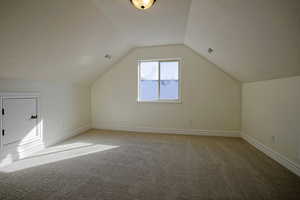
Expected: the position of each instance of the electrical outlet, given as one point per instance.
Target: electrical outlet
(190, 123)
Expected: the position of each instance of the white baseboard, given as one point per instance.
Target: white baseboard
(224, 133)
(70, 133)
(281, 159)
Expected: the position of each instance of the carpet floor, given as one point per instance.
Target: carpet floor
(113, 165)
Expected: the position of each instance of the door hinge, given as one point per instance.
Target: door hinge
(3, 132)
(2, 111)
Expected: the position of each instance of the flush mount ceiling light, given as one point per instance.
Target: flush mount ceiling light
(142, 4)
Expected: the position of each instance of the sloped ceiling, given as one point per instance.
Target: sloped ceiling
(253, 40)
(67, 39)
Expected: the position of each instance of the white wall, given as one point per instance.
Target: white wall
(210, 98)
(272, 108)
(65, 107)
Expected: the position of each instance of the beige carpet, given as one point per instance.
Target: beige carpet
(121, 165)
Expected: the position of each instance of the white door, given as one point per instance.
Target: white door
(19, 120)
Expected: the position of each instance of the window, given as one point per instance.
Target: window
(159, 81)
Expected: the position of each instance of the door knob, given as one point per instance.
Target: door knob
(33, 117)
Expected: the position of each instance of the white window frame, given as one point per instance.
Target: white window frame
(179, 60)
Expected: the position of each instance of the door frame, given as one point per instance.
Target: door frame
(21, 95)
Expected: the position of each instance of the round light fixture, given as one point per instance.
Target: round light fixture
(142, 4)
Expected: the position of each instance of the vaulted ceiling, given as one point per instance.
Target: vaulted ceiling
(253, 39)
(68, 39)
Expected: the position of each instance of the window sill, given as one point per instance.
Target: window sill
(161, 101)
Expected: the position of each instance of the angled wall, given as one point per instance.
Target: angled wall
(210, 98)
(252, 40)
(65, 107)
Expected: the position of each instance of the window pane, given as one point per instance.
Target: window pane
(149, 70)
(169, 80)
(169, 70)
(149, 81)
(148, 90)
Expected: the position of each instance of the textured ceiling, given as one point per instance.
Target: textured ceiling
(67, 39)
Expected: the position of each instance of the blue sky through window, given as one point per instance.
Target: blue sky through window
(150, 82)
